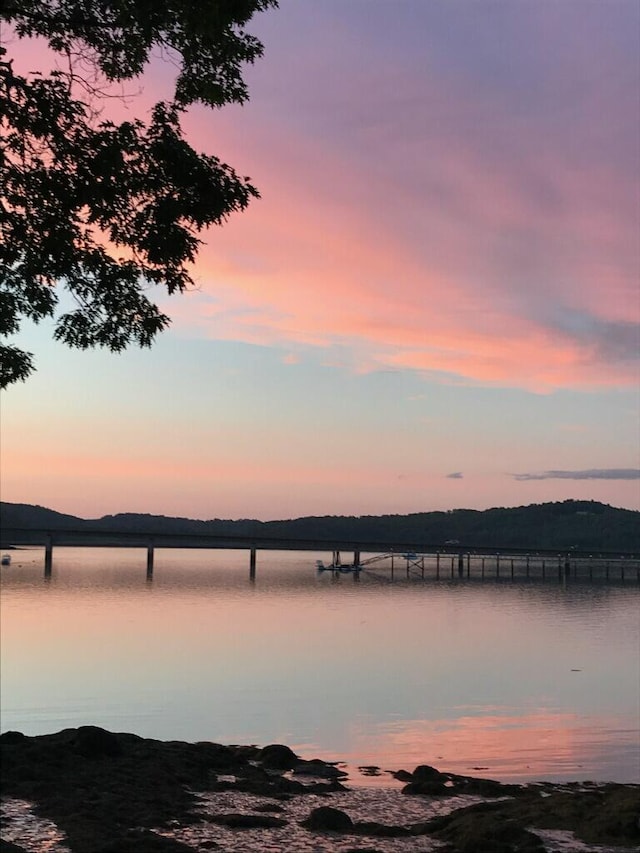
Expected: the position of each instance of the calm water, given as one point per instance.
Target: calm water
(513, 680)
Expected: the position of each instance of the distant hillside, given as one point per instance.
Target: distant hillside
(27, 515)
(583, 525)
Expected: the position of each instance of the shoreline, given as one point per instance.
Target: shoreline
(109, 792)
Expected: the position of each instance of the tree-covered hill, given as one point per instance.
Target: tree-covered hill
(583, 525)
(29, 516)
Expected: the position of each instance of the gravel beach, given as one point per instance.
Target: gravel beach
(88, 790)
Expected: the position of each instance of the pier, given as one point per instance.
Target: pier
(400, 559)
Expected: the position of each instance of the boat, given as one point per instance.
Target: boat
(5, 560)
(337, 567)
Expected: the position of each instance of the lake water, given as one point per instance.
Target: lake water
(513, 680)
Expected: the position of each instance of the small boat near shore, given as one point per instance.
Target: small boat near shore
(5, 560)
(337, 567)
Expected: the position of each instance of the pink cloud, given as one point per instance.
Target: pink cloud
(495, 269)
(454, 232)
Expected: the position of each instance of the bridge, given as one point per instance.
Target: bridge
(414, 553)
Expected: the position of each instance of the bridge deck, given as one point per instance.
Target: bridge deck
(132, 539)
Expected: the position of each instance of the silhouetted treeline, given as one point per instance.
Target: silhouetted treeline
(583, 525)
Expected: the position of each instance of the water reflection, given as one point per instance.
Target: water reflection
(528, 678)
(505, 744)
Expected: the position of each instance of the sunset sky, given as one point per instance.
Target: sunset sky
(435, 303)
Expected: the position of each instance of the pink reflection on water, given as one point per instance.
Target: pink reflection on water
(540, 745)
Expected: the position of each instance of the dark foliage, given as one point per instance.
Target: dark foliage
(579, 525)
(110, 210)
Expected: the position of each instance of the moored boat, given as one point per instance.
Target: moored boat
(337, 567)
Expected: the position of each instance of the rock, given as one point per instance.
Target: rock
(247, 821)
(274, 787)
(484, 787)
(370, 770)
(381, 830)
(426, 773)
(316, 767)
(277, 756)
(402, 776)
(432, 788)
(362, 850)
(328, 819)
(605, 815)
(12, 737)
(143, 841)
(484, 827)
(94, 742)
(10, 847)
(426, 780)
(268, 807)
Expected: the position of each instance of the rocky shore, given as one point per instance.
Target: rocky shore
(120, 793)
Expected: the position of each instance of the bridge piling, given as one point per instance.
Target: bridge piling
(48, 558)
(252, 564)
(150, 555)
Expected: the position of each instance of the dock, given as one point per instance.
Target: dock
(399, 559)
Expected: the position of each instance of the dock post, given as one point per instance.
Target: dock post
(438, 565)
(483, 559)
(252, 564)
(453, 560)
(527, 565)
(149, 562)
(512, 568)
(356, 559)
(460, 565)
(468, 565)
(543, 569)
(497, 565)
(48, 557)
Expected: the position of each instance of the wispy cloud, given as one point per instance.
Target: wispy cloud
(457, 475)
(457, 234)
(589, 474)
